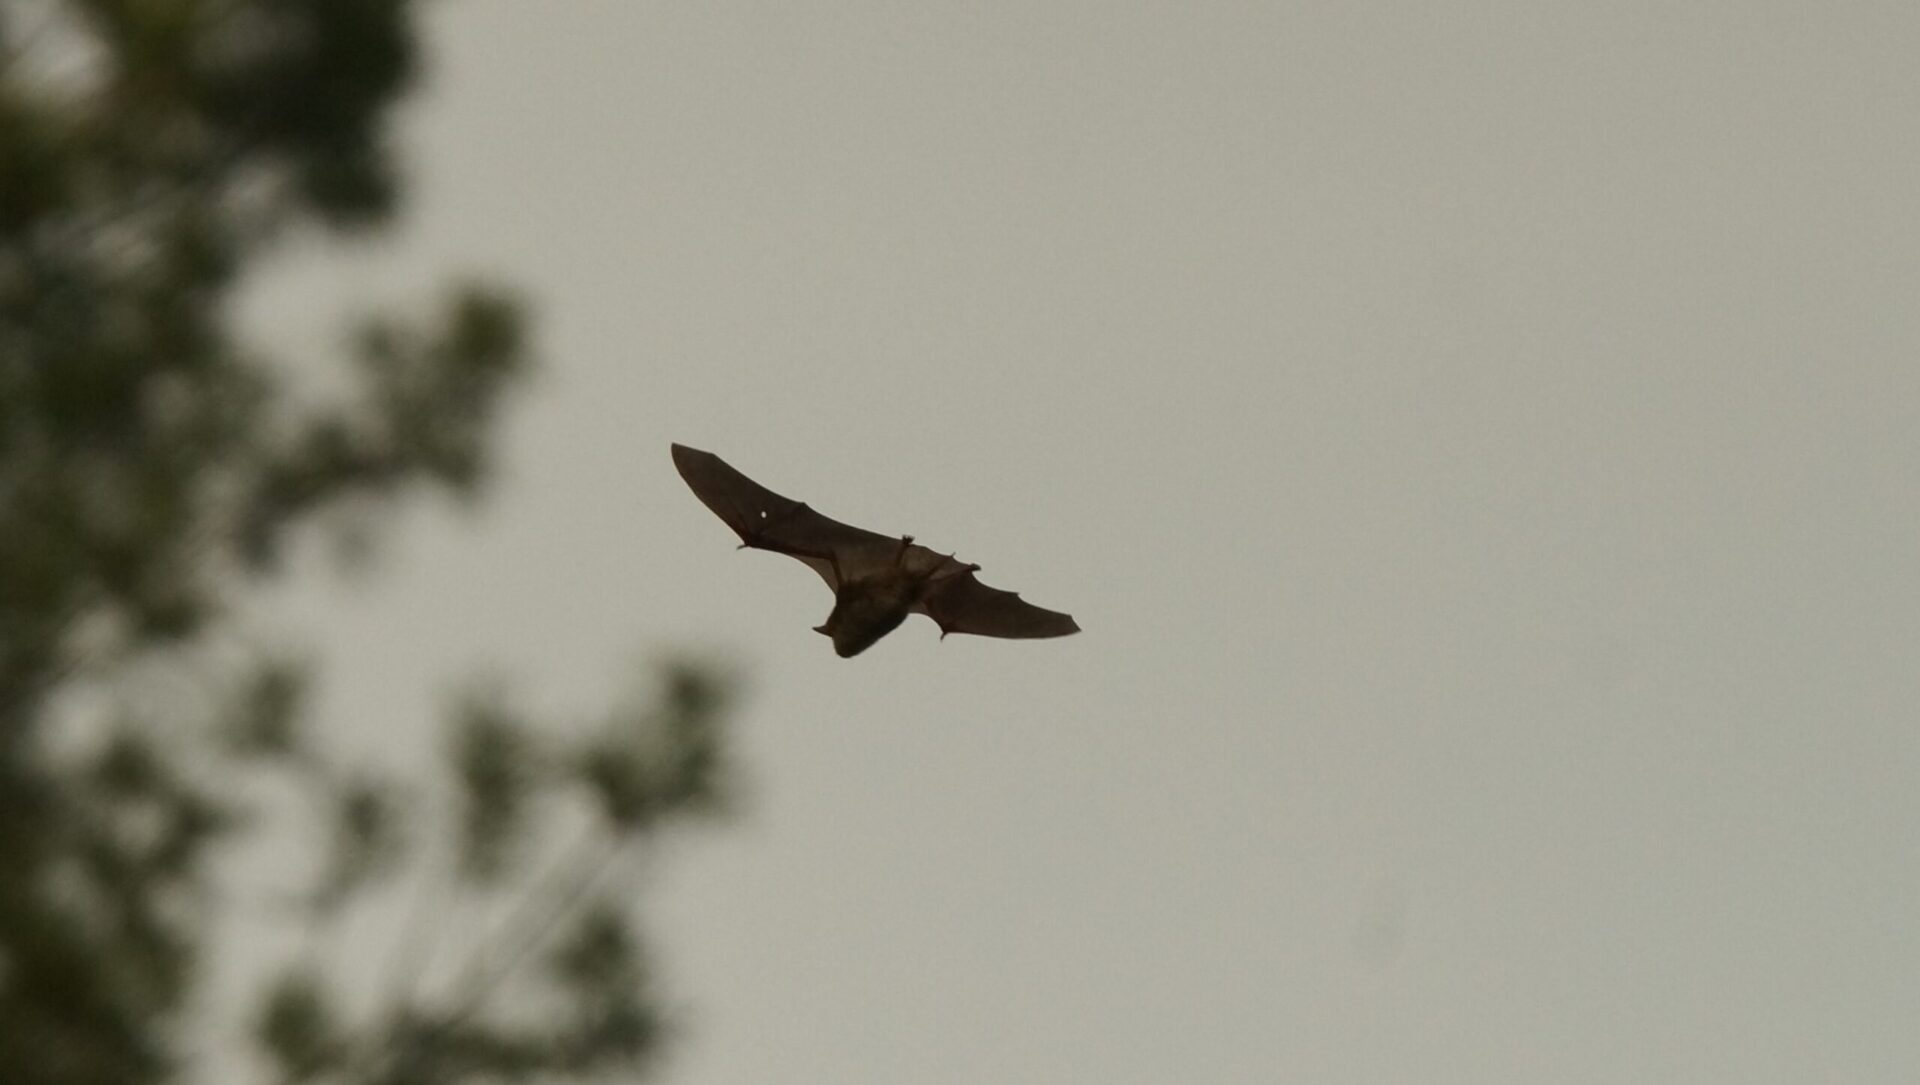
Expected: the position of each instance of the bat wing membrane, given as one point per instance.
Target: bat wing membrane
(765, 520)
(962, 604)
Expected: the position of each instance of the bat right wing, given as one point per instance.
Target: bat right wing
(765, 520)
(961, 604)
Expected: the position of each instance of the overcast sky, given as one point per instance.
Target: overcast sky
(1479, 440)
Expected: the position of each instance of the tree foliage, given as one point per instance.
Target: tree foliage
(153, 466)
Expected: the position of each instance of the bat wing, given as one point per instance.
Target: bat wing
(766, 521)
(961, 604)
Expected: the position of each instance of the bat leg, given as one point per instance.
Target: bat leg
(901, 557)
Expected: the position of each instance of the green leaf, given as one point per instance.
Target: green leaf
(651, 762)
(496, 762)
(599, 954)
(612, 1022)
(367, 840)
(298, 1027)
(621, 778)
(266, 714)
(129, 766)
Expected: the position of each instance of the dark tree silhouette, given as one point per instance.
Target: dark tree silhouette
(152, 468)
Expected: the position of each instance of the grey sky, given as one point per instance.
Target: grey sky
(1478, 439)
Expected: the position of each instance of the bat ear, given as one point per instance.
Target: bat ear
(822, 630)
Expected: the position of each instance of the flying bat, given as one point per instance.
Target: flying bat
(877, 580)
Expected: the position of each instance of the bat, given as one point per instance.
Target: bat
(877, 580)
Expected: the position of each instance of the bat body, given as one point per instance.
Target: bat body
(877, 580)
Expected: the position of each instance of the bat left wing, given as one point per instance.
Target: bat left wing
(959, 603)
(765, 520)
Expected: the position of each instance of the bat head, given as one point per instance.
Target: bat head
(863, 612)
(850, 640)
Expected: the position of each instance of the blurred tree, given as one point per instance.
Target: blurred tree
(151, 467)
